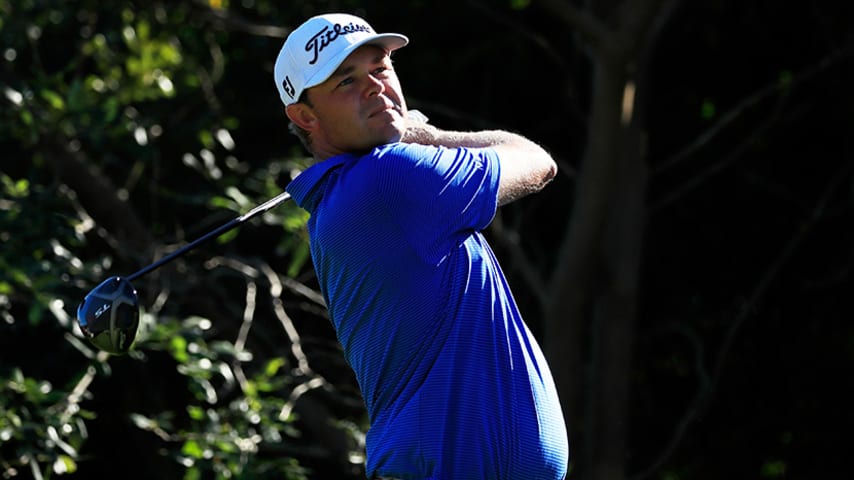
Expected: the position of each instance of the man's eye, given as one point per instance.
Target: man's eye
(346, 81)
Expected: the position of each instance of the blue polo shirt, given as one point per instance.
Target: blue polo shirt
(454, 383)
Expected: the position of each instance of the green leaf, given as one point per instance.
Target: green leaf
(273, 366)
(192, 449)
(64, 464)
(143, 30)
(207, 139)
(193, 473)
(22, 187)
(295, 220)
(222, 202)
(774, 469)
(301, 256)
(54, 99)
(707, 109)
(35, 313)
(196, 413)
(76, 95)
(178, 347)
(27, 118)
(784, 82)
(111, 109)
(227, 237)
(250, 389)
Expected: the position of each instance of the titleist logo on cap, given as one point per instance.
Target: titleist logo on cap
(315, 49)
(327, 35)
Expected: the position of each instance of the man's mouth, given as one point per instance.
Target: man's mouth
(387, 106)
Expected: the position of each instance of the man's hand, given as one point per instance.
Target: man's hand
(418, 130)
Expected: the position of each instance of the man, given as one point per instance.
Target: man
(454, 383)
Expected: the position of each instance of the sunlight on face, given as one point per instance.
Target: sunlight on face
(360, 106)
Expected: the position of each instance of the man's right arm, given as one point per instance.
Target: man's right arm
(525, 166)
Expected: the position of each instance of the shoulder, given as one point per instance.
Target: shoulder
(409, 165)
(408, 155)
(395, 159)
(412, 152)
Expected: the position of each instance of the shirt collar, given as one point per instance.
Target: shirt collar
(304, 189)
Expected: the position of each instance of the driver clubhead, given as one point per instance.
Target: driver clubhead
(109, 315)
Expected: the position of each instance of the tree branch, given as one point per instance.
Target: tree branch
(709, 384)
(596, 33)
(98, 196)
(739, 110)
(229, 20)
(509, 239)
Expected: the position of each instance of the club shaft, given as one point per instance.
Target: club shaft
(235, 222)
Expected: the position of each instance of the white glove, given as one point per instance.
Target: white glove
(417, 116)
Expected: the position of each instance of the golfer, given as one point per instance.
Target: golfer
(454, 383)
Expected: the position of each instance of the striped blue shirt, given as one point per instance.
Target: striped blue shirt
(454, 383)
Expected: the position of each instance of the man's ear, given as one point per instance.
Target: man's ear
(302, 115)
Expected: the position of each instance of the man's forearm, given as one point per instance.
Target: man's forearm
(426, 134)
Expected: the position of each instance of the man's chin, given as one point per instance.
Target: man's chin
(395, 130)
(373, 141)
(387, 127)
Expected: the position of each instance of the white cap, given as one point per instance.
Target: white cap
(314, 51)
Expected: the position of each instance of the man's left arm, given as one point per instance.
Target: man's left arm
(525, 166)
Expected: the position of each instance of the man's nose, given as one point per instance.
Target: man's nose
(375, 86)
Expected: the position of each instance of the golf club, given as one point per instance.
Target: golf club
(109, 314)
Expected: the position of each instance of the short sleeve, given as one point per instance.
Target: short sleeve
(437, 196)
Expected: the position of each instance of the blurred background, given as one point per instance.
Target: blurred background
(688, 273)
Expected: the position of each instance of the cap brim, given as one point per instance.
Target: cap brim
(389, 41)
